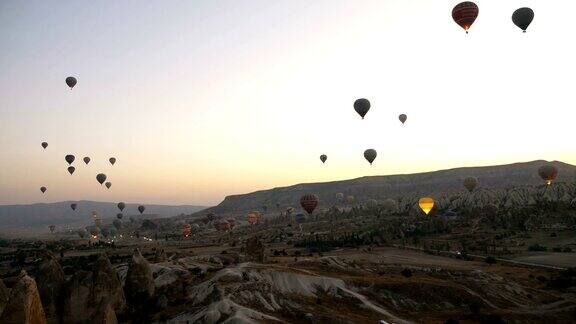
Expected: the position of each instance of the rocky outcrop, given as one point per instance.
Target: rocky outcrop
(94, 295)
(107, 286)
(139, 285)
(254, 250)
(4, 295)
(104, 314)
(50, 281)
(159, 255)
(24, 304)
(78, 306)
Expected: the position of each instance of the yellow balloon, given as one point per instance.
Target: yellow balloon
(426, 204)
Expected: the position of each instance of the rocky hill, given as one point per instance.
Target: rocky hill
(443, 182)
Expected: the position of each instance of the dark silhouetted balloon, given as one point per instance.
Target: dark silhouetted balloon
(548, 173)
(121, 206)
(71, 169)
(309, 202)
(71, 82)
(43, 189)
(86, 159)
(52, 228)
(108, 184)
(44, 145)
(101, 177)
(112, 160)
(69, 158)
(119, 216)
(141, 209)
(403, 118)
(522, 18)
(323, 158)
(470, 183)
(73, 206)
(370, 155)
(464, 14)
(362, 106)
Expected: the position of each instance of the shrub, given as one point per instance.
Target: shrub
(407, 273)
(537, 248)
(490, 260)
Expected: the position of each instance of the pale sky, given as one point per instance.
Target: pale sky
(202, 99)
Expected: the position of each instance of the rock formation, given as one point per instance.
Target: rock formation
(4, 295)
(254, 250)
(24, 304)
(50, 282)
(139, 285)
(107, 286)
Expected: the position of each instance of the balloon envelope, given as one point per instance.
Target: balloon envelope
(43, 189)
(108, 184)
(73, 206)
(426, 204)
(323, 158)
(119, 216)
(548, 173)
(101, 177)
(464, 14)
(362, 106)
(370, 155)
(71, 169)
(69, 158)
(86, 159)
(44, 145)
(522, 18)
(309, 202)
(121, 206)
(403, 118)
(141, 209)
(112, 160)
(71, 82)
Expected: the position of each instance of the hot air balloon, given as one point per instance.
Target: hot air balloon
(73, 206)
(339, 197)
(522, 18)
(119, 216)
(86, 159)
(309, 203)
(426, 204)
(44, 145)
(403, 118)
(252, 218)
(121, 206)
(108, 184)
(101, 177)
(464, 14)
(71, 169)
(362, 106)
(71, 82)
(43, 189)
(94, 231)
(141, 209)
(69, 158)
(52, 228)
(186, 230)
(112, 160)
(548, 173)
(370, 155)
(470, 183)
(323, 158)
